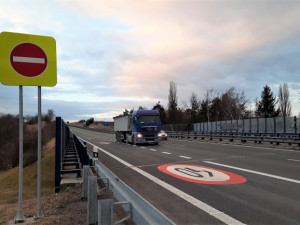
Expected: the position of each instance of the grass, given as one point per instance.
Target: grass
(9, 180)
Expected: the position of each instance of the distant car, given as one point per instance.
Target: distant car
(163, 135)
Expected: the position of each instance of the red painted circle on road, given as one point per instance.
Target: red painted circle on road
(201, 174)
(28, 59)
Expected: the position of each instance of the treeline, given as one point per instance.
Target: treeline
(9, 138)
(229, 105)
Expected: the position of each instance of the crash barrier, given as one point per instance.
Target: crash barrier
(101, 211)
(271, 126)
(110, 131)
(290, 140)
(70, 153)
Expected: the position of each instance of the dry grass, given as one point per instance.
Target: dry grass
(9, 179)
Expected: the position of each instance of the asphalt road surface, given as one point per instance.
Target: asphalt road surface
(194, 182)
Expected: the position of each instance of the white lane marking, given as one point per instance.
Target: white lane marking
(249, 146)
(167, 153)
(143, 147)
(199, 204)
(255, 172)
(185, 157)
(151, 149)
(295, 160)
(28, 59)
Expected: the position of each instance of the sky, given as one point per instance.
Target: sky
(115, 55)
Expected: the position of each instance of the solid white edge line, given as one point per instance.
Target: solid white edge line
(255, 172)
(28, 59)
(199, 204)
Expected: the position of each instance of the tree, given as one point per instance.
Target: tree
(49, 117)
(266, 106)
(172, 105)
(233, 104)
(161, 110)
(194, 109)
(284, 103)
(216, 112)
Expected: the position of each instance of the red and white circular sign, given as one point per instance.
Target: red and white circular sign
(201, 174)
(28, 59)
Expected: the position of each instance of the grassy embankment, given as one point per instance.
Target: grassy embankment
(9, 179)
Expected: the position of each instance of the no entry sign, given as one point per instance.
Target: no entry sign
(28, 60)
(201, 174)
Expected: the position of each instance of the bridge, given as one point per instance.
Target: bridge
(191, 181)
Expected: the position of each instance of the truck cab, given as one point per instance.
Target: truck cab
(140, 126)
(146, 126)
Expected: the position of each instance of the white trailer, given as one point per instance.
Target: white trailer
(122, 123)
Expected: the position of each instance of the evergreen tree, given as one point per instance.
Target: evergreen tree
(266, 106)
(162, 112)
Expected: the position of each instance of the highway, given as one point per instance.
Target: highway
(194, 182)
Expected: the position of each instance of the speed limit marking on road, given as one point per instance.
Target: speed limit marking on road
(201, 174)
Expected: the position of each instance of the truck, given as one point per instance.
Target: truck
(140, 126)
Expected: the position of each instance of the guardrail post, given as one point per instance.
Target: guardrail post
(86, 172)
(105, 212)
(58, 154)
(92, 200)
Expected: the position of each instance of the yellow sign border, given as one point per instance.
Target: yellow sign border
(8, 76)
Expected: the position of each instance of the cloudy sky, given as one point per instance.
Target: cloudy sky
(113, 55)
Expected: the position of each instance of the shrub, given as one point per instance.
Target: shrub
(9, 141)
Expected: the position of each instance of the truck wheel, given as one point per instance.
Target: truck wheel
(133, 140)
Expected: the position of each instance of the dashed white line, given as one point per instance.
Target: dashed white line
(255, 172)
(152, 150)
(167, 153)
(185, 157)
(295, 160)
(143, 147)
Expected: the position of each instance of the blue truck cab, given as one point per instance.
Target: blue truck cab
(146, 126)
(140, 126)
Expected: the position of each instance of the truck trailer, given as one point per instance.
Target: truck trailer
(140, 126)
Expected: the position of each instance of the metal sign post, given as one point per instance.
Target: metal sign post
(38, 215)
(19, 217)
(28, 60)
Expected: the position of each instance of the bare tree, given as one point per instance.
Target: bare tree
(233, 104)
(284, 103)
(208, 96)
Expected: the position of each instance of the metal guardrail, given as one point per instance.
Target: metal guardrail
(276, 139)
(142, 211)
(67, 152)
(94, 129)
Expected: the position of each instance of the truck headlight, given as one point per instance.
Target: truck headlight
(139, 135)
(159, 134)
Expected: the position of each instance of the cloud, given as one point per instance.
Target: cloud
(123, 54)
